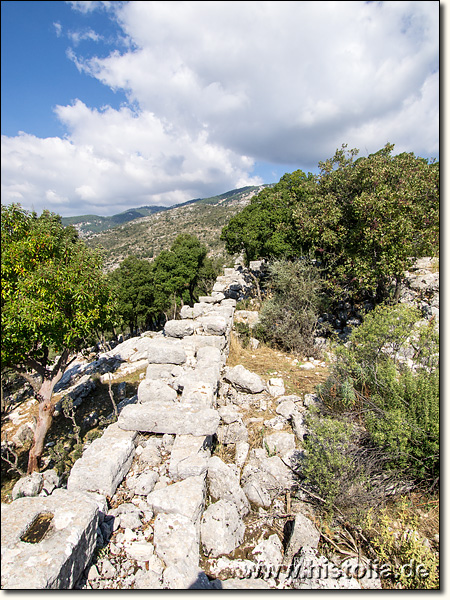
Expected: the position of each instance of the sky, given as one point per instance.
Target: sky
(107, 106)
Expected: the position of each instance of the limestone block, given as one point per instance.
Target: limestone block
(185, 497)
(171, 418)
(179, 328)
(222, 528)
(224, 484)
(214, 325)
(189, 456)
(154, 390)
(58, 559)
(280, 442)
(166, 351)
(105, 462)
(244, 380)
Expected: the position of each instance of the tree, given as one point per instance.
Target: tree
(176, 272)
(54, 296)
(365, 219)
(133, 284)
(370, 217)
(265, 228)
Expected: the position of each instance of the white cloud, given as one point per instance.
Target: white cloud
(216, 86)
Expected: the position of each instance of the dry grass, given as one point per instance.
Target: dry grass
(267, 363)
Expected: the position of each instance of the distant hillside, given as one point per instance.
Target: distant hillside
(155, 228)
(90, 224)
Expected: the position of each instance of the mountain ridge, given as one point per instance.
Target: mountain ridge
(156, 228)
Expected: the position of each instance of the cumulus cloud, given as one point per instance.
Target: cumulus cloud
(215, 87)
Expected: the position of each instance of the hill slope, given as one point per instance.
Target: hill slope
(147, 235)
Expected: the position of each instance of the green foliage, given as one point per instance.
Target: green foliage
(54, 295)
(176, 272)
(133, 284)
(413, 565)
(265, 228)
(330, 467)
(288, 319)
(364, 219)
(399, 404)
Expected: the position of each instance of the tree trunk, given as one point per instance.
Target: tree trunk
(46, 410)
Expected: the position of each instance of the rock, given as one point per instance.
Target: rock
(105, 462)
(241, 453)
(232, 433)
(222, 528)
(51, 480)
(153, 390)
(186, 312)
(224, 484)
(298, 426)
(179, 329)
(250, 317)
(27, 486)
(140, 551)
(177, 544)
(145, 483)
(286, 409)
(276, 387)
(185, 497)
(303, 533)
(166, 351)
(57, 561)
(244, 380)
(213, 325)
(269, 552)
(280, 442)
(315, 572)
(174, 418)
(199, 393)
(189, 457)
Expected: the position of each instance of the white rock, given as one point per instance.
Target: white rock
(224, 485)
(222, 528)
(244, 380)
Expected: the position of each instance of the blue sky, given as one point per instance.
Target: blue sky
(113, 105)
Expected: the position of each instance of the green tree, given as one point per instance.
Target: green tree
(176, 272)
(266, 228)
(54, 297)
(366, 219)
(133, 284)
(370, 217)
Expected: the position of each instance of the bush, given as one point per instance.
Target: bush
(412, 564)
(289, 317)
(397, 400)
(332, 467)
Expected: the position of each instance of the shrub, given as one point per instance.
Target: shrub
(289, 317)
(331, 467)
(410, 563)
(397, 401)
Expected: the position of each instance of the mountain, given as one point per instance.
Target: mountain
(147, 230)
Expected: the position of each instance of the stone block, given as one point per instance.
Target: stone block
(57, 560)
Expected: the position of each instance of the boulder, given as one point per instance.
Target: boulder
(105, 462)
(59, 558)
(166, 351)
(222, 528)
(189, 456)
(224, 484)
(279, 443)
(154, 390)
(303, 533)
(27, 486)
(244, 380)
(214, 325)
(185, 497)
(174, 418)
(179, 329)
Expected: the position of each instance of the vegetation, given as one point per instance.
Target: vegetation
(363, 219)
(289, 316)
(150, 293)
(54, 297)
